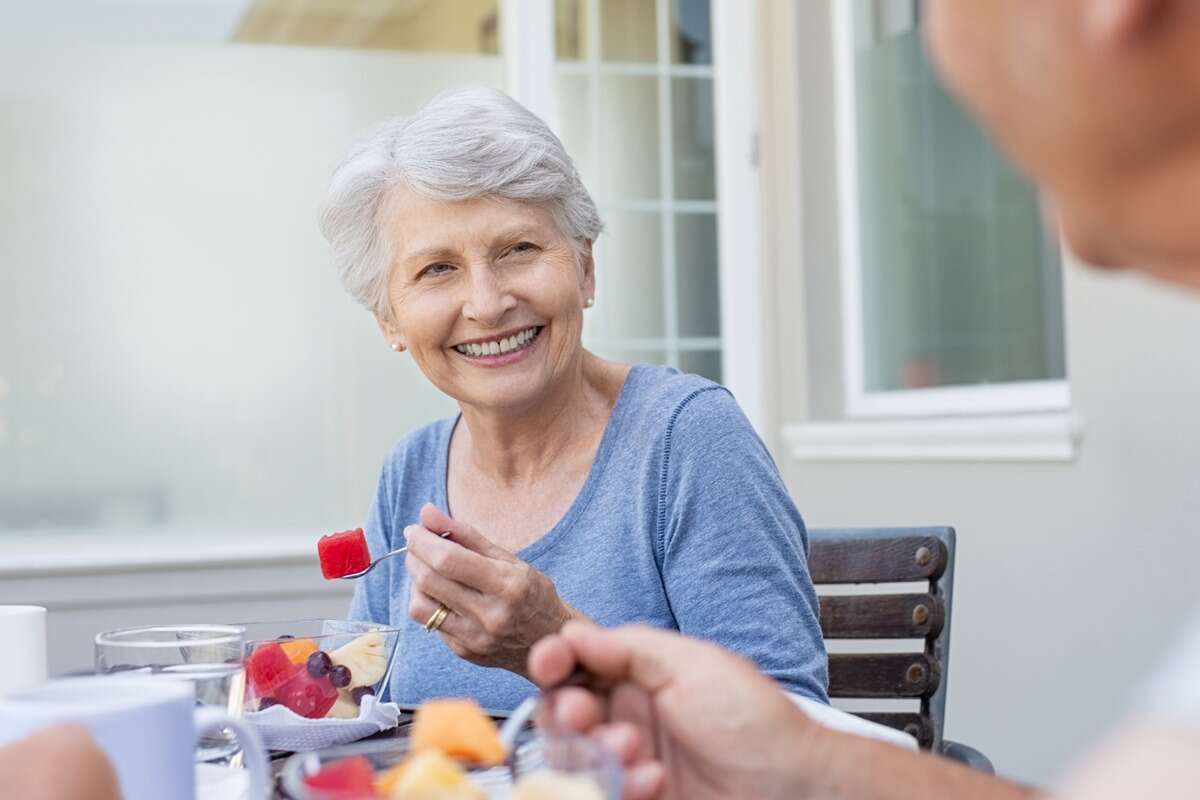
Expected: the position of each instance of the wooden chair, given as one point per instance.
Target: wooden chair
(892, 555)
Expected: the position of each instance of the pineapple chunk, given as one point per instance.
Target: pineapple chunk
(429, 775)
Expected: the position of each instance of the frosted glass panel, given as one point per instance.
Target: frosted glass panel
(692, 130)
(628, 30)
(697, 289)
(959, 283)
(175, 349)
(630, 157)
(691, 32)
(575, 127)
(702, 362)
(571, 30)
(629, 292)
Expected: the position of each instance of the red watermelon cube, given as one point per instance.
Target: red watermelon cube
(267, 668)
(306, 695)
(344, 779)
(343, 553)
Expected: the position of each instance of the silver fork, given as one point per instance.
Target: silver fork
(397, 552)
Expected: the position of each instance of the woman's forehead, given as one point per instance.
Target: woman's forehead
(422, 224)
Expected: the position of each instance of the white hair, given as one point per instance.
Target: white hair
(461, 145)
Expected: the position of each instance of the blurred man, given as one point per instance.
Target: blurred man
(57, 764)
(1100, 101)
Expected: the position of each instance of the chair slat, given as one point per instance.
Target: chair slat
(881, 616)
(918, 726)
(883, 560)
(883, 675)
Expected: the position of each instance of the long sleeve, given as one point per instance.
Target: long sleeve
(733, 546)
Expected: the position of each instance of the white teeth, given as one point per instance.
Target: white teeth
(497, 347)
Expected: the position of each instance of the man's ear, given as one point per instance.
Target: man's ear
(391, 333)
(1122, 21)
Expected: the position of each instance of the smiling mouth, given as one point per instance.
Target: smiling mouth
(496, 347)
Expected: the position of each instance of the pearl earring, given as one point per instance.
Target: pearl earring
(589, 303)
(397, 346)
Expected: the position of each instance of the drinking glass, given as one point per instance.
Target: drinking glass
(207, 656)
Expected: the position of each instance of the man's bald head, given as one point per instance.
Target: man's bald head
(1100, 101)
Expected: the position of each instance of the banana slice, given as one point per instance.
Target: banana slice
(365, 657)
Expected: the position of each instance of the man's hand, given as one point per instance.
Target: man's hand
(689, 719)
(57, 764)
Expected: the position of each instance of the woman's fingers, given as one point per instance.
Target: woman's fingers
(453, 561)
(421, 608)
(435, 520)
(644, 781)
(428, 581)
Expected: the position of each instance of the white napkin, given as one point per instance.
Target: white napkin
(284, 729)
(846, 722)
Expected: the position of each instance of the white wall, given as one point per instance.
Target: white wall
(1071, 577)
(178, 364)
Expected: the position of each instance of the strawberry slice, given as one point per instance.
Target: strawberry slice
(343, 553)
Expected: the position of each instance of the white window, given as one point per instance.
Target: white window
(952, 294)
(634, 105)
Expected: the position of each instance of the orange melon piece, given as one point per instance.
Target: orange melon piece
(298, 650)
(458, 728)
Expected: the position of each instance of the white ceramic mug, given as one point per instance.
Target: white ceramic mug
(23, 634)
(147, 727)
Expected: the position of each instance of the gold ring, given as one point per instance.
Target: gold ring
(437, 619)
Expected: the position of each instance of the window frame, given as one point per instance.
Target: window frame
(528, 50)
(859, 403)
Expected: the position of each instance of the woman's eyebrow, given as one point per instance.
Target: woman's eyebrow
(428, 253)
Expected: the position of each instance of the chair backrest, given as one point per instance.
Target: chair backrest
(889, 555)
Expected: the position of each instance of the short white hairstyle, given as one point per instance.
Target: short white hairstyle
(461, 145)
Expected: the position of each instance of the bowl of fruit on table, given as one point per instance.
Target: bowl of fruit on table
(453, 752)
(316, 668)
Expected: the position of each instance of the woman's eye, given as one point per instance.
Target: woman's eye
(433, 270)
(522, 248)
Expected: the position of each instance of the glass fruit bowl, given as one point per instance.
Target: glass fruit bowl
(546, 766)
(318, 668)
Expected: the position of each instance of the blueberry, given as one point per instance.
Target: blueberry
(319, 664)
(359, 692)
(339, 676)
(266, 703)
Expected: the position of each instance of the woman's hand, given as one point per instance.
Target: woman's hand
(498, 605)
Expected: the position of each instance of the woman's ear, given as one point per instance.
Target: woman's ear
(391, 333)
(587, 272)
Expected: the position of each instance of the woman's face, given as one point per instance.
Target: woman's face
(487, 295)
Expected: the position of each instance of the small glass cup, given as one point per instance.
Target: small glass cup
(208, 656)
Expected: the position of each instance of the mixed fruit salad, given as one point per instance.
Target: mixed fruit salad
(446, 735)
(314, 683)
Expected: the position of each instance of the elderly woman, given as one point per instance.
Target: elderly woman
(568, 486)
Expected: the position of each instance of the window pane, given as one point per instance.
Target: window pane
(692, 133)
(702, 362)
(691, 32)
(575, 124)
(628, 31)
(570, 30)
(629, 147)
(697, 289)
(629, 292)
(464, 26)
(958, 283)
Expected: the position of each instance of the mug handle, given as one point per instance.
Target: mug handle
(210, 719)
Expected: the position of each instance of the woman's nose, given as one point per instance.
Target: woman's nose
(489, 299)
